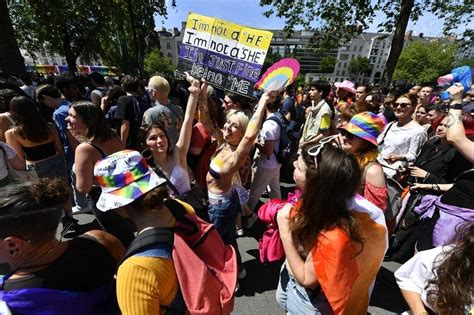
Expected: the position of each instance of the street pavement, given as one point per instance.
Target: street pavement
(257, 291)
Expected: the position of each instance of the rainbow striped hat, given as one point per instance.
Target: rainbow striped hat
(366, 125)
(124, 176)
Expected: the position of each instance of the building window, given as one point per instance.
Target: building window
(170, 56)
(168, 45)
(337, 72)
(344, 57)
(360, 48)
(343, 73)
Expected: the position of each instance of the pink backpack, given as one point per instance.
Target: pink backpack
(205, 266)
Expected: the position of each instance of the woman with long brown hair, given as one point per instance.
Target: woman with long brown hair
(36, 141)
(334, 242)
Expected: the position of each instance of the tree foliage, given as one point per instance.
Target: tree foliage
(422, 61)
(360, 66)
(116, 30)
(11, 60)
(340, 21)
(155, 63)
(327, 64)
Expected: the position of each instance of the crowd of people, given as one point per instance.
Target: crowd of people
(379, 174)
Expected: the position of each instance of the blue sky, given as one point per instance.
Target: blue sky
(249, 13)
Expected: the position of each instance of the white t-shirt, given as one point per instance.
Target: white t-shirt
(270, 131)
(10, 152)
(405, 141)
(414, 274)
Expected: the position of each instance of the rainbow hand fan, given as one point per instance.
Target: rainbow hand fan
(279, 75)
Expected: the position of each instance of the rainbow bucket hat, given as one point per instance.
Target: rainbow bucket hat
(124, 176)
(366, 125)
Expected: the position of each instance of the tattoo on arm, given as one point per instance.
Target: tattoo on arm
(453, 119)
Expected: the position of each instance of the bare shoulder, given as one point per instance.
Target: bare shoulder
(113, 245)
(374, 174)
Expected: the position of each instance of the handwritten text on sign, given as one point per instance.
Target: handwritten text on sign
(229, 56)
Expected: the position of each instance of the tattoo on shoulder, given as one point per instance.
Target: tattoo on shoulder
(453, 119)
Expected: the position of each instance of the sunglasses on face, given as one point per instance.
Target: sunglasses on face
(401, 105)
(346, 134)
(225, 102)
(315, 150)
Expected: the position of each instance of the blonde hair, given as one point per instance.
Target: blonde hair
(160, 84)
(243, 116)
(366, 157)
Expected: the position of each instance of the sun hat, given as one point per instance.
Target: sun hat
(347, 85)
(366, 125)
(124, 176)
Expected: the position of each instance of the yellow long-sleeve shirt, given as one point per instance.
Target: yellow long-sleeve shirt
(146, 283)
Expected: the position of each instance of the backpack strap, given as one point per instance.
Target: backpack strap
(168, 182)
(148, 239)
(385, 134)
(187, 225)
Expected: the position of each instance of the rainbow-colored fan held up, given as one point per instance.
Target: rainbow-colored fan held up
(281, 74)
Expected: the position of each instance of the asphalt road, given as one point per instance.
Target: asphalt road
(257, 291)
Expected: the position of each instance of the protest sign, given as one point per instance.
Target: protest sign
(229, 56)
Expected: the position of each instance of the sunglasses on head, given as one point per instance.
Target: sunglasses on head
(401, 105)
(315, 150)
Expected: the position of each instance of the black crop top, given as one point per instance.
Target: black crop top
(39, 152)
(84, 266)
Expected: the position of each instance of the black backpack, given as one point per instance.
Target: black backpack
(288, 139)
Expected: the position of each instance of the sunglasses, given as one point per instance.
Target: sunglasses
(315, 150)
(401, 105)
(346, 134)
(225, 102)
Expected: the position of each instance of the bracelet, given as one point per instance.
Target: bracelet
(457, 106)
(427, 174)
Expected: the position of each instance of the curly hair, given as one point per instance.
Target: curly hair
(32, 210)
(452, 290)
(328, 186)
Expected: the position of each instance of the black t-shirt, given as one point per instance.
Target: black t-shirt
(127, 110)
(84, 266)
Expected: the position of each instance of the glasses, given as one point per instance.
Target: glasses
(401, 105)
(225, 102)
(315, 150)
(346, 134)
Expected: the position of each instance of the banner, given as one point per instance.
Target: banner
(229, 56)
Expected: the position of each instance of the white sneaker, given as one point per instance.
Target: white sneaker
(242, 274)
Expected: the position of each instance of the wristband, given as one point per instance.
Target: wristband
(457, 106)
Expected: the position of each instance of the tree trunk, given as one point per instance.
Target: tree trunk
(69, 53)
(406, 7)
(11, 60)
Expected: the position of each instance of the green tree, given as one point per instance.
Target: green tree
(340, 21)
(155, 63)
(327, 64)
(422, 61)
(11, 61)
(87, 28)
(360, 66)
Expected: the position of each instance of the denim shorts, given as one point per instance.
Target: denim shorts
(52, 167)
(222, 214)
(298, 300)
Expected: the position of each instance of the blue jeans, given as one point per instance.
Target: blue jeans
(298, 300)
(52, 167)
(223, 213)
